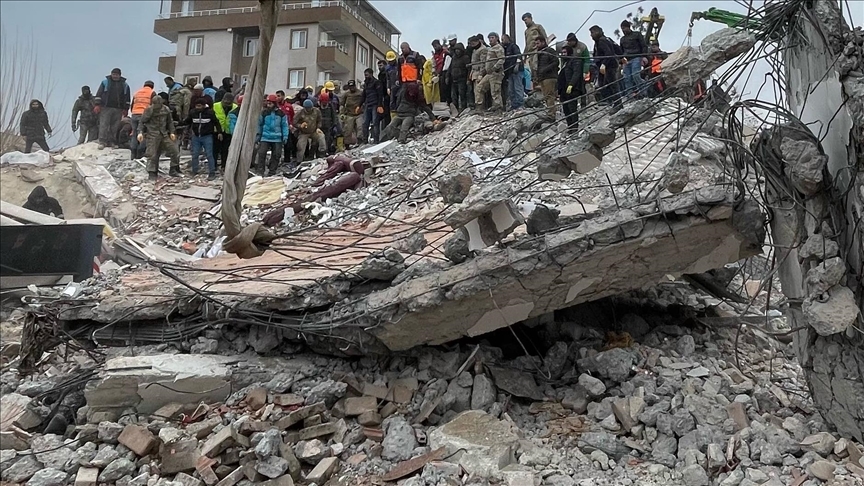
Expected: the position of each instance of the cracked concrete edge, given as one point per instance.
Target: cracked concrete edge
(104, 193)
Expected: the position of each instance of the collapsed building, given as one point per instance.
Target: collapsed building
(474, 228)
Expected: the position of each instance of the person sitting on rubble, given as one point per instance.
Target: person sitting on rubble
(158, 125)
(34, 125)
(350, 177)
(272, 135)
(308, 124)
(329, 122)
(410, 104)
(41, 202)
(124, 132)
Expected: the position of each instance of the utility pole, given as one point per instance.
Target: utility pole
(509, 27)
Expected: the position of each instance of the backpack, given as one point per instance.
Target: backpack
(619, 51)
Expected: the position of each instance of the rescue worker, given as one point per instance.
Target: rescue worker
(546, 75)
(635, 49)
(175, 96)
(227, 86)
(458, 74)
(272, 135)
(513, 72)
(308, 124)
(140, 102)
(532, 31)
(221, 145)
(494, 74)
(208, 88)
(411, 103)
(606, 64)
(352, 102)
(157, 123)
(656, 85)
(478, 68)
(34, 125)
(441, 63)
(431, 90)
(577, 62)
(329, 122)
(205, 128)
(330, 89)
(114, 97)
(383, 78)
(287, 108)
(373, 105)
(42, 203)
(410, 65)
(88, 123)
(392, 85)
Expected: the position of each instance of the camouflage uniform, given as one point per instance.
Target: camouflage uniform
(88, 123)
(351, 122)
(157, 126)
(492, 78)
(312, 118)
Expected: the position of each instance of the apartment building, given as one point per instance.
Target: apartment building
(315, 41)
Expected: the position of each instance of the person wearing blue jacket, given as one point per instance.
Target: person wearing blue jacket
(272, 135)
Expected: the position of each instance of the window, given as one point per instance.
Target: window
(186, 7)
(250, 46)
(191, 78)
(298, 39)
(296, 78)
(363, 56)
(194, 46)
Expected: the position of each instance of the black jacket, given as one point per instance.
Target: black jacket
(203, 122)
(633, 44)
(34, 123)
(382, 79)
(511, 58)
(39, 201)
(547, 64)
(372, 93)
(604, 53)
(225, 88)
(459, 63)
(114, 94)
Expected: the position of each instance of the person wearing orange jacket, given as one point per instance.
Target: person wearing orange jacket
(140, 102)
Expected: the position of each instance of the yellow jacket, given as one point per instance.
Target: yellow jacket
(430, 90)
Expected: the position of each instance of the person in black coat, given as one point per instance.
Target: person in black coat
(41, 202)
(34, 126)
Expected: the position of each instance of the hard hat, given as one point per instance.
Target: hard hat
(391, 56)
(273, 98)
(451, 37)
(310, 88)
(324, 98)
(329, 85)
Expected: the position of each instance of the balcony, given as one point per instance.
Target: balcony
(167, 64)
(169, 24)
(334, 57)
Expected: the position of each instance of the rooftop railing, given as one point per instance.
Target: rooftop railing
(285, 6)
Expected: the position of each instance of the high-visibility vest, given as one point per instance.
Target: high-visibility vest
(408, 70)
(655, 65)
(141, 100)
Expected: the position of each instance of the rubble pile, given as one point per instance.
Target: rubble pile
(642, 400)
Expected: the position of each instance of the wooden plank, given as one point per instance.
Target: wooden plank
(411, 466)
(200, 192)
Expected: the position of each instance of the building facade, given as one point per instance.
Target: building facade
(315, 41)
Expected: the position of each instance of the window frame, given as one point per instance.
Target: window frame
(246, 41)
(189, 44)
(186, 7)
(187, 77)
(302, 84)
(305, 39)
(360, 50)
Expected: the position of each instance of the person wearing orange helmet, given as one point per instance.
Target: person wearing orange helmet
(272, 135)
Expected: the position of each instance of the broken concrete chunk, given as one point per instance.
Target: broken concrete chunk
(825, 275)
(634, 113)
(138, 439)
(600, 136)
(225, 438)
(300, 414)
(399, 439)
(87, 476)
(354, 406)
(454, 187)
(493, 226)
(384, 265)
(833, 315)
(480, 200)
(689, 64)
(818, 247)
(803, 165)
(515, 382)
(180, 456)
(676, 173)
(479, 442)
(552, 169)
(541, 220)
(614, 364)
(322, 472)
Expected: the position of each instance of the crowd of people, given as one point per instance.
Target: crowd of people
(489, 74)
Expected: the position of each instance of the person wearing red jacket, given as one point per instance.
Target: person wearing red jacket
(287, 108)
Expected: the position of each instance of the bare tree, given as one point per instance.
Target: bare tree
(22, 78)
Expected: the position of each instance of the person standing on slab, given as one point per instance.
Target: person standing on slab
(88, 122)
(158, 125)
(113, 99)
(34, 126)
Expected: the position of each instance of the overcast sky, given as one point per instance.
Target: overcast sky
(81, 41)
